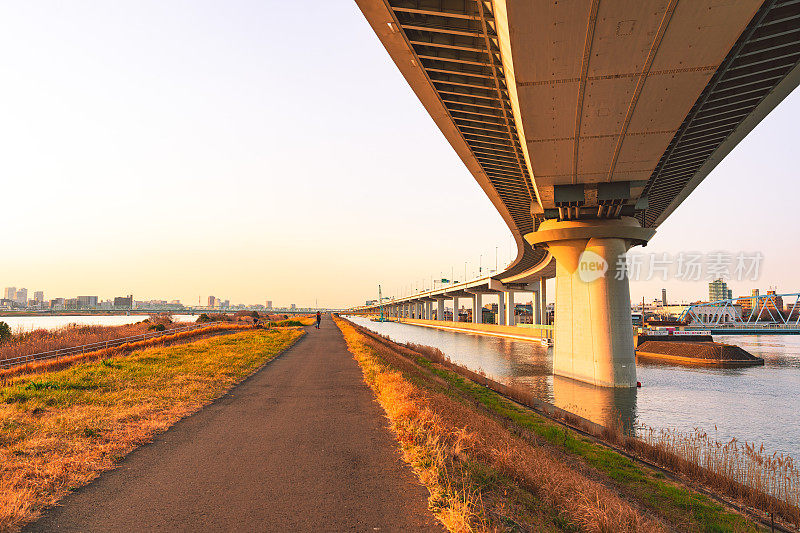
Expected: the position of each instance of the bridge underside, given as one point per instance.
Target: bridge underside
(591, 111)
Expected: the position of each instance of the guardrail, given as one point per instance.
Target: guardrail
(86, 348)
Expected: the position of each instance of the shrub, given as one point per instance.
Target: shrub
(5, 332)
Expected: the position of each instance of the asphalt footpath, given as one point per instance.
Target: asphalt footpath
(301, 445)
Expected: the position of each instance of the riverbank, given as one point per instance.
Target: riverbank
(532, 332)
(494, 465)
(59, 429)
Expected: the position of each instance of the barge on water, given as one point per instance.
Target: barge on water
(691, 348)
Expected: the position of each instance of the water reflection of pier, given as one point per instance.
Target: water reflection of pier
(611, 407)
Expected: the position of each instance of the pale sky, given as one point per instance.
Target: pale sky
(261, 150)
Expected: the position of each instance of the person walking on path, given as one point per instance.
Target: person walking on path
(319, 319)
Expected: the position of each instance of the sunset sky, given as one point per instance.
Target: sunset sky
(261, 150)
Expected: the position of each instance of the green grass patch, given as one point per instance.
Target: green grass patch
(286, 323)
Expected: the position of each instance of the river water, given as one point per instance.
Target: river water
(756, 404)
(20, 324)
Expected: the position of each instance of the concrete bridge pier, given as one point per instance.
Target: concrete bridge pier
(477, 308)
(508, 303)
(440, 308)
(501, 309)
(542, 302)
(593, 331)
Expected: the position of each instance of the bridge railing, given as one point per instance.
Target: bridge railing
(92, 347)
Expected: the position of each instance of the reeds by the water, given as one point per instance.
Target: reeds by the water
(767, 481)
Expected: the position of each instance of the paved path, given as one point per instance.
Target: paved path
(299, 446)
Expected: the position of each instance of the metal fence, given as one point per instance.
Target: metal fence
(86, 348)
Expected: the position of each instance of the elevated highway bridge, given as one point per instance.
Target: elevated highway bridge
(586, 123)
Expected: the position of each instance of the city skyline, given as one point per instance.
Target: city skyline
(209, 169)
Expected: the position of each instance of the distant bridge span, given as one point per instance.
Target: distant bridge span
(587, 123)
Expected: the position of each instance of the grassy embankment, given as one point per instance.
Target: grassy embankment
(541, 476)
(59, 429)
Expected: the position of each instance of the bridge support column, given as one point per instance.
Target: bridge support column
(543, 300)
(440, 309)
(501, 308)
(536, 308)
(455, 308)
(477, 308)
(593, 329)
(428, 310)
(511, 319)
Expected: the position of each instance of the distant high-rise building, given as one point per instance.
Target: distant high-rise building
(292, 306)
(38, 296)
(85, 302)
(225, 304)
(664, 296)
(775, 303)
(269, 304)
(10, 293)
(212, 301)
(22, 297)
(718, 290)
(123, 302)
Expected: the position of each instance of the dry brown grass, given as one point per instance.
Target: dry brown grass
(454, 448)
(60, 429)
(48, 365)
(42, 340)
